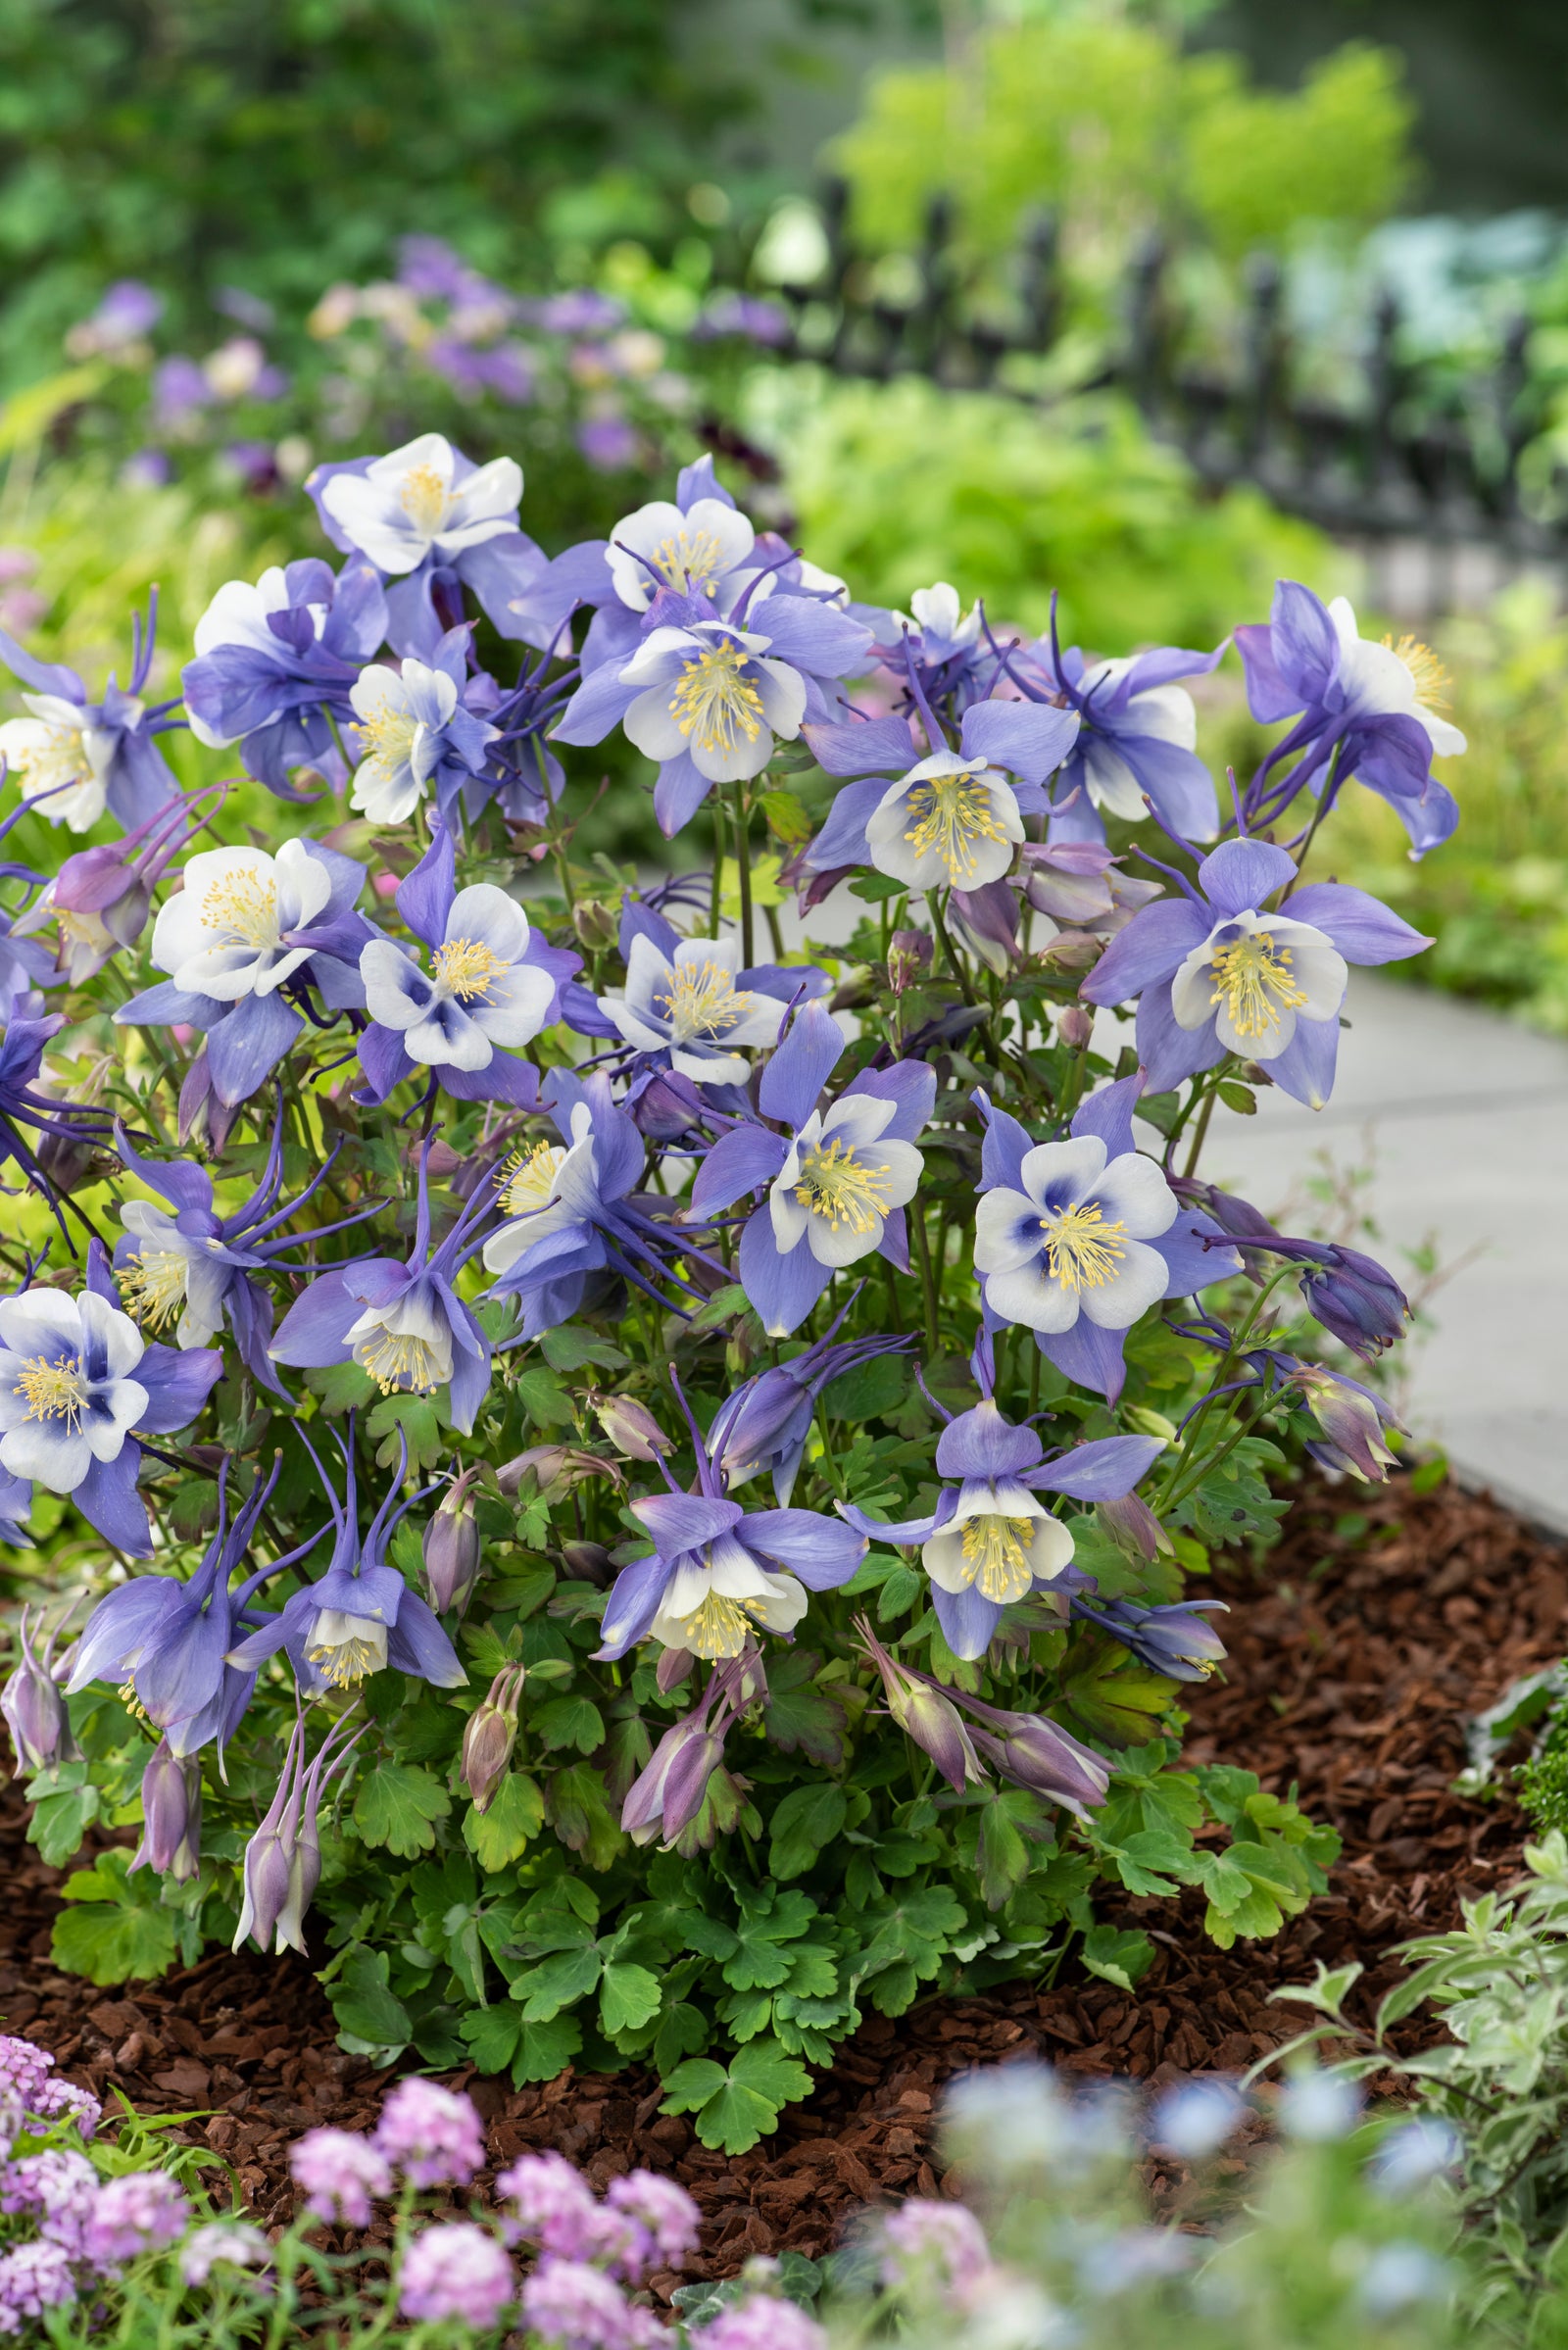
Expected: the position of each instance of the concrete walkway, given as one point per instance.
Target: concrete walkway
(1463, 1118)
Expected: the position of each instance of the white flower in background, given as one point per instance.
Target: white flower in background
(173, 1272)
(401, 721)
(1389, 679)
(1254, 976)
(479, 994)
(53, 752)
(693, 553)
(1072, 1241)
(223, 935)
(951, 822)
(840, 1181)
(941, 619)
(67, 1397)
(408, 504)
(691, 1007)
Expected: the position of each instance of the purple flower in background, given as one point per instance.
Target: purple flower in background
(277, 664)
(180, 392)
(747, 315)
(456, 2273)
(77, 758)
(415, 734)
(339, 2173)
(433, 2136)
(665, 2214)
(1076, 1239)
(1137, 743)
(30, 1703)
(127, 312)
(550, 2205)
(762, 2321)
(573, 2307)
(989, 1542)
(59, 2189)
(609, 442)
(925, 2243)
(1216, 973)
(434, 523)
(229, 2241)
(493, 986)
(1359, 708)
(33, 2278)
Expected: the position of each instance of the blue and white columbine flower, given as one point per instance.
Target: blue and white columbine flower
(415, 734)
(1215, 972)
(693, 1005)
(1138, 739)
(695, 550)
(837, 1178)
(275, 664)
(77, 758)
(990, 1542)
(490, 990)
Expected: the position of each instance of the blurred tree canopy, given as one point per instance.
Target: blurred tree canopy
(276, 144)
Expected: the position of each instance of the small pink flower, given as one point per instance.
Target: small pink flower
(340, 2173)
(937, 2242)
(552, 2206)
(664, 2214)
(141, 2212)
(456, 2270)
(434, 2137)
(32, 2278)
(573, 2307)
(230, 2240)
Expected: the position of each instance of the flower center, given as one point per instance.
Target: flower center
(345, 1648)
(424, 498)
(240, 909)
(399, 1362)
(715, 702)
(60, 759)
(688, 559)
(720, 1627)
(387, 737)
(153, 1285)
(1427, 674)
(952, 814)
(1083, 1250)
(531, 1179)
(834, 1183)
(466, 969)
(54, 1391)
(702, 1001)
(1253, 982)
(996, 1557)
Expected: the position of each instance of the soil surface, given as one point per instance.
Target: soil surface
(1356, 1651)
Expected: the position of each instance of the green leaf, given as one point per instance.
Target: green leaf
(557, 1982)
(60, 1821)
(803, 1827)
(365, 2006)
(567, 1348)
(875, 888)
(1114, 1698)
(1117, 1956)
(734, 2108)
(491, 2036)
(545, 2049)
(577, 1807)
(722, 1306)
(115, 1929)
(899, 1594)
(1003, 1856)
(569, 1722)
(544, 1399)
(397, 1805)
(630, 1996)
(870, 1390)
(759, 1963)
(799, 1715)
(496, 1837)
(411, 1416)
(342, 1387)
(683, 2032)
(194, 1509)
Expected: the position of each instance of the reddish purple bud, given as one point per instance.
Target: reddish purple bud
(490, 1736)
(1134, 1525)
(631, 1428)
(452, 1547)
(171, 1815)
(34, 1709)
(667, 1794)
(1033, 1753)
(988, 921)
(910, 954)
(925, 1714)
(1075, 1026)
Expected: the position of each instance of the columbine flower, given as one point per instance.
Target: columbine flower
(838, 1179)
(693, 1006)
(491, 989)
(77, 758)
(1216, 973)
(953, 820)
(277, 662)
(339, 2173)
(402, 1322)
(669, 1793)
(1076, 1239)
(247, 932)
(716, 1571)
(360, 1617)
(32, 1707)
(1361, 709)
(695, 548)
(990, 1542)
(1175, 1640)
(1137, 743)
(1349, 1293)
(763, 1427)
(456, 2273)
(171, 1815)
(489, 1736)
(100, 899)
(75, 1377)
(433, 2136)
(415, 734)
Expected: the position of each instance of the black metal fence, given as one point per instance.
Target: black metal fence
(1409, 451)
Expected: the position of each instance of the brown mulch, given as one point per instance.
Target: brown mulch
(1356, 1652)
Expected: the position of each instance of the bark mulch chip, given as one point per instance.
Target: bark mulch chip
(1376, 1627)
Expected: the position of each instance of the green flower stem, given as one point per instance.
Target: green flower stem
(928, 1285)
(743, 863)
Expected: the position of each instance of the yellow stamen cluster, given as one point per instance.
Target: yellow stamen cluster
(1255, 982)
(714, 702)
(720, 1627)
(241, 908)
(53, 1391)
(60, 759)
(687, 559)
(996, 1557)
(153, 1285)
(952, 814)
(466, 969)
(399, 1363)
(424, 498)
(1083, 1250)
(343, 1663)
(1428, 674)
(386, 737)
(530, 1177)
(703, 1001)
(834, 1182)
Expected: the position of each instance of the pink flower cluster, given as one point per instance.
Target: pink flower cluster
(30, 2100)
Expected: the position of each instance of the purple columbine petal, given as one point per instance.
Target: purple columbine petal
(681, 1522)
(418, 1644)
(246, 1046)
(425, 900)
(982, 1443)
(632, 1605)
(1088, 1355)
(1305, 1068)
(842, 841)
(106, 1498)
(740, 1162)
(797, 1072)
(912, 1085)
(820, 1553)
(1168, 1051)
(1192, 1262)
(870, 747)
(1001, 1154)
(1106, 1470)
(178, 1382)
(311, 1334)
(679, 793)
(1030, 739)
(1110, 1114)
(783, 1289)
(1238, 875)
(968, 1620)
(1364, 930)
(1151, 947)
(125, 1618)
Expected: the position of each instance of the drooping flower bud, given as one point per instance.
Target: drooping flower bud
(1134, 1525)
(34, 1709)
(631, 1428)
(595, 923)
(988, 922)
(171, 1815)
(589, 1563)
(1353, 1297)
(1176, 1639)
(1075, 1025)
(668, 1793)
(1033, 1753)
(269, 1857)
(910, 954)
(452, 1547)
(926, 1714)
(1352, 1420)
(490, 1736)
(674, 1667)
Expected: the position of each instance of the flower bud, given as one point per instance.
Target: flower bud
(490, 1736)
(1352, 1297)
(589, 1563)
(1075, 1025)
(34, 1711)
(667, 1793)
(987, 919)
(674, 1667)
(631, 1428)
(1352, 1420)
(595, 923)
(910, 954)
(452, 1549)
(1033, 1753)
(1177, 1639)
(171, 1815)
(1134, 1525)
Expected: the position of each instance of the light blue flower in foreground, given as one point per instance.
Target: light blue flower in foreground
(275, 665)
(415, 734)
